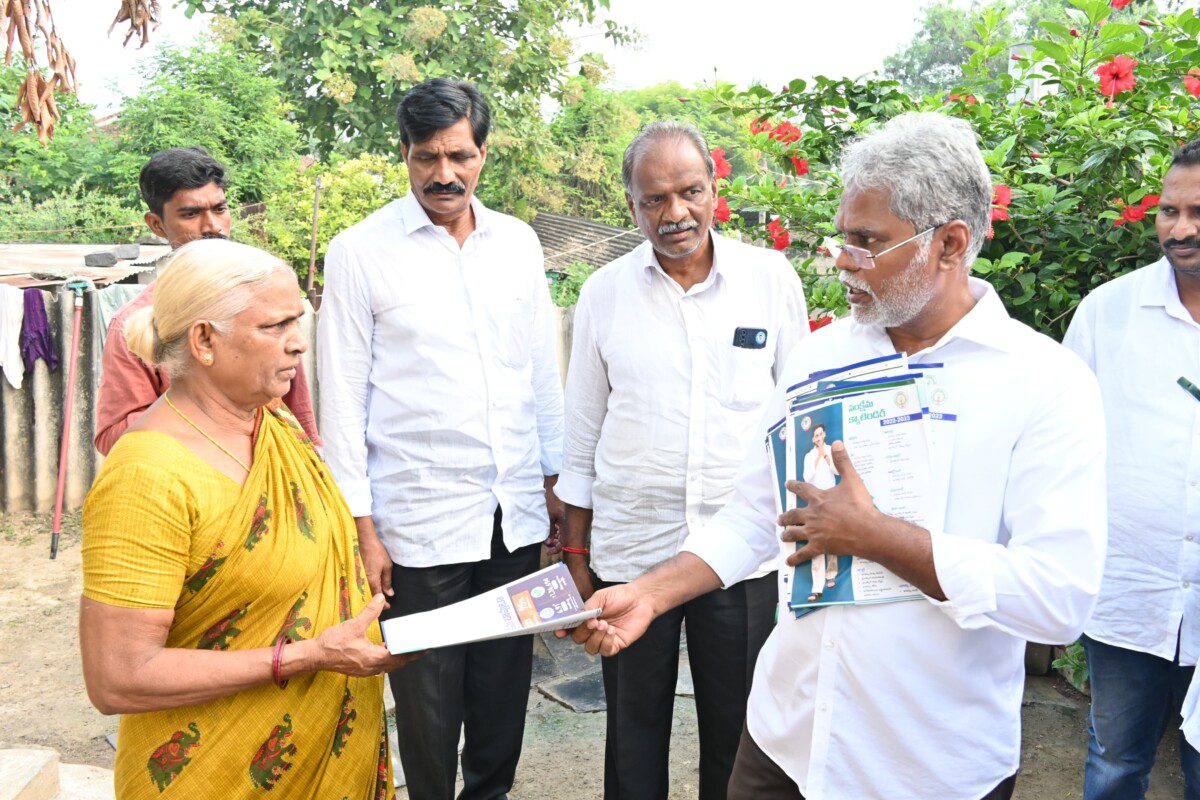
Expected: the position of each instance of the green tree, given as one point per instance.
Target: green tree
(345, 66)
(216, 97)
(79, 151)
(932, 62)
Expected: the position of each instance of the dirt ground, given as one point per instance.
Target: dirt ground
(43, 702)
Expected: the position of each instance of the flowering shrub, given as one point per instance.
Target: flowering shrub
(1077, 134)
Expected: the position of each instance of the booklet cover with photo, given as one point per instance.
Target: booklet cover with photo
(544, 601)
(882, 425)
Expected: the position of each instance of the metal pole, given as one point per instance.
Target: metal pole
(312, 249)
(78, 287)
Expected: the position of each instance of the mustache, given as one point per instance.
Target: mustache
(454, 187)
(213, 235)
(851, 282)
(1171, 244)
(674, 227)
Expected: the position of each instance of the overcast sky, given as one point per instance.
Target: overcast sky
(767, 41)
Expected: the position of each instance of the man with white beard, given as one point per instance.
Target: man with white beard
(921, 699)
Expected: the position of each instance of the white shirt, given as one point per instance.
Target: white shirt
(820, 471)
(661, 406)
(920, 699)
(440, 388)
(1137, 336)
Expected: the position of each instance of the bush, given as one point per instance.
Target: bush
(1080, 156)
(73, 215)
(350, 190)
(565, 291)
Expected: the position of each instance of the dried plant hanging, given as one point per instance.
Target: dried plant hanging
(140, 14)
(27, 20)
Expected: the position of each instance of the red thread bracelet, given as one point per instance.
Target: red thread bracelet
(580, 551)
(277, 663)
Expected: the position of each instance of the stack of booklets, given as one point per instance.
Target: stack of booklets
(898, 427)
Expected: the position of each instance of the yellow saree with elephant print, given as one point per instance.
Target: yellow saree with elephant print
(242, 567)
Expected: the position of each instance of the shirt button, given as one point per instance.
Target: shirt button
(824, 707)
(829, 644)
(1190, 538)
(1186, 584)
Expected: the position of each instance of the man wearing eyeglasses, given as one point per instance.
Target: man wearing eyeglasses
(922, 699)
(1141, 335)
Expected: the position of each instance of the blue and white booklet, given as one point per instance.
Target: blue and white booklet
(897, 424)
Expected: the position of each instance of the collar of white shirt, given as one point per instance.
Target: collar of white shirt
(1161, 291)
(648, 258)
(414, 217)
(985, 324)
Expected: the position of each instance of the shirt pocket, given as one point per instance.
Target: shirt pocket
(746, 379)
(511, 329)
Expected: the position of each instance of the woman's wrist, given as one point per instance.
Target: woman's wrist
(300, 658)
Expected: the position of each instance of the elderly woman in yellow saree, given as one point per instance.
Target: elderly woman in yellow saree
(225, 613)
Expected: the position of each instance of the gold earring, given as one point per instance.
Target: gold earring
(207, 359)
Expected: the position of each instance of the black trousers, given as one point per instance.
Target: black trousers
(757, 777)
(484, 685)
(725, 630)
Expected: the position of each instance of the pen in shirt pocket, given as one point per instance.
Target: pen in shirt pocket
(1189, 387)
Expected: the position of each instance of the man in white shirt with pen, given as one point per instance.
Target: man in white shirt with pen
(676, 346)
(920, 699)
(441, 390)
(1140, 333)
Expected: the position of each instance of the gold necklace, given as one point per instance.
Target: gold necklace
(200, 431)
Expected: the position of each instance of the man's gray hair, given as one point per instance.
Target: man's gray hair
(932, 169)
(656, 132)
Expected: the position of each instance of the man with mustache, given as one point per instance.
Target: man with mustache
(920, 699)
(1140, 334)
(676, 346)
(184, 191)
(442, 403)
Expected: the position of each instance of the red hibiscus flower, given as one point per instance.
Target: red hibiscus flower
(819, 322)
(1192, 82)
(722, 213)
(760, 126)
(786, 132)
(722, 166)
(781, 240)
(969, 99)
(1136, 212)
(1149, 201)
(1117, 76)
(1001, 198)
(1119, 4)
(801, 165)
(775, 227)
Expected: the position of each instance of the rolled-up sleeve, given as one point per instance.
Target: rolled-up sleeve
(586, 403)
(742, 536)
(345, 330)
(1041, 584)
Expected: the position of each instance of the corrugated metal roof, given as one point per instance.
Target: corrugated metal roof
(24, 264)
(569, 239)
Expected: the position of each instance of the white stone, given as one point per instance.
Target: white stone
(28, 774)
(83, 782)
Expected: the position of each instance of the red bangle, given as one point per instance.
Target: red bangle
(277, 663)
(581, 551)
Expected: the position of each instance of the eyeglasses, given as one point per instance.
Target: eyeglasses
(861, 256)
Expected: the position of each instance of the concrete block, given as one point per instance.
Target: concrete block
(84, 782)
(100, 258)
(127, 252)
(28, 775)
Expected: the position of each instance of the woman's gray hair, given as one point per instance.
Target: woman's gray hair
(932, 169)
(656, 132)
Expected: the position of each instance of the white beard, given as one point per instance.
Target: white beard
(902, 297)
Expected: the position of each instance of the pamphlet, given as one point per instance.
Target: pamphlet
(547, 600)
(897, 425)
